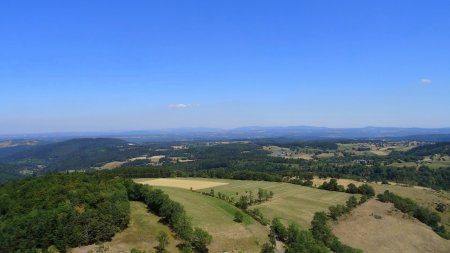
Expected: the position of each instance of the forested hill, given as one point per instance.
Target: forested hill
(426, 150)
(73, 154)
(65, 210)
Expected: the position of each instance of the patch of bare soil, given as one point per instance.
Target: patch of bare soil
(377, 227)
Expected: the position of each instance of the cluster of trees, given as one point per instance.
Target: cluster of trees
(410, 207)
(322, 233)
(172, 213)
(298, 181)
(319, 238)
(339, 210)
(63, 210)
(245, 201)
(258, 216)
(363, 189)
(296, 240)
(292, 144)
(427, 150)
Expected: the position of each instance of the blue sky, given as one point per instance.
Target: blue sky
(135, 65)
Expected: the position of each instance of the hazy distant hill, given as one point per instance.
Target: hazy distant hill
(294, 132)
(74, 154)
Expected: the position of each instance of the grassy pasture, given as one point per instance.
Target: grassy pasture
(291, 203)
(217, 217)
(423, 196)
(391, 232)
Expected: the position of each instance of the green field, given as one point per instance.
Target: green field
(439, 164)
(217, 217)
(291, 203)
(404, 164)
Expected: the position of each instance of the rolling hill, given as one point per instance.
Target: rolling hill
(73, 154)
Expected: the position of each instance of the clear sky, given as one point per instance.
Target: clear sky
(136, 65)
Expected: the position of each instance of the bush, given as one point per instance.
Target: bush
(200, 240)
(238, 216)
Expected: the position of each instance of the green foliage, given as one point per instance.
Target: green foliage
(363, 199)
(159, 203)
(171, 212)
(200, 240)
(322, 233)
(337, 211)
(366, 190)
(140, 251)
(351, 188)
(163, 240)
(352, 202)
(302, 241)
(243, 202)
(65, 210)
(238, 216)
(441, 207)
(279, 229)
(267, 248)
(258, 216)
(331, 186)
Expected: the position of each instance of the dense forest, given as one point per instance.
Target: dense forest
(69, 210)
(64, 210)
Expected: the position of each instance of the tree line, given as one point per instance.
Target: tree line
(172, 213)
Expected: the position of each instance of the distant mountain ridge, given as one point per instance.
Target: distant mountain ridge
(255, 132)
